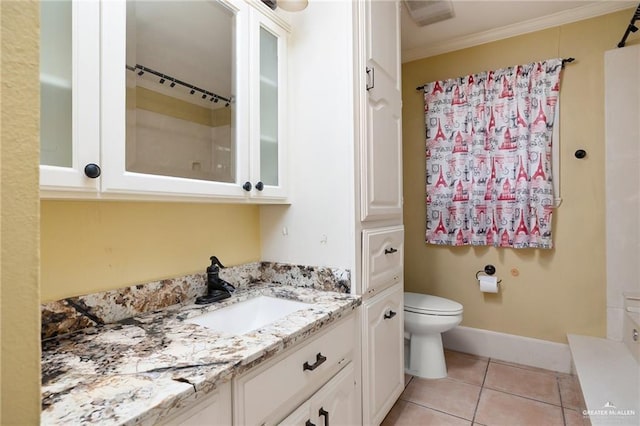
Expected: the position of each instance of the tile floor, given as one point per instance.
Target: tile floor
(484, 391)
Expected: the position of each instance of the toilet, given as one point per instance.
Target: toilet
(425, 318)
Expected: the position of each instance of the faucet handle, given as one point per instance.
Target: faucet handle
(215, 262)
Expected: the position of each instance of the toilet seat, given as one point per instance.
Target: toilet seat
(427, 304)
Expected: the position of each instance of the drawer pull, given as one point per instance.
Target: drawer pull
(320, 359)
(390, 250)
(308, 423)
(324, 413)
(390, 315)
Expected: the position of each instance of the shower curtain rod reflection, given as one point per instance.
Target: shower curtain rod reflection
(631, 28)
(173, 81)
(564, 61)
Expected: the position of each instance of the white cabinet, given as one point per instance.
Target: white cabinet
(336, 403)
(269, 393)
(69, 87)
(383, 353)
(381, 147)
(212, 409)
(175, 100)
(381, 210)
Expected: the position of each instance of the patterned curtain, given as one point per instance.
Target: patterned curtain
(488, 155)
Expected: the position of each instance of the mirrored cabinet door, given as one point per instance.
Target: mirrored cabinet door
(69, 95)
(181, 103)
(174, 93)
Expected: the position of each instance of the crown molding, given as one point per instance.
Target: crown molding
(532, 25)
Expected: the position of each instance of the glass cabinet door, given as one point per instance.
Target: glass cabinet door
(69, 94)
(269, 110)
(268, 107)
(56, 83)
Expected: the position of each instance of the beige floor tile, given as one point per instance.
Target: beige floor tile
(466, 368)
(575, 418)
(446, 395)
(498, 408)
(541, 386)
(570, 392)
(410, 414)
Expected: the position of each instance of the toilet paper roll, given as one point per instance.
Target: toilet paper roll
(488, 284)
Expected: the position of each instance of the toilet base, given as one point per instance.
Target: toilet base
(426, 357)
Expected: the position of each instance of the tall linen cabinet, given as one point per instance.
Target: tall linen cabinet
(346, 174)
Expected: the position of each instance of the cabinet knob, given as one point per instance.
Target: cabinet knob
(390, 250)
(260, 186)
(92, 170)
(247, 186)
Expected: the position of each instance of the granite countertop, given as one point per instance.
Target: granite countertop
(144, 368)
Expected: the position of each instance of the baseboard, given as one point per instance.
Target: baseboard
(509, 347)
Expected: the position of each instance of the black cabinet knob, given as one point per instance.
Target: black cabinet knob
(260, 186)
(92, 170)
(580, 154)
(247, 186)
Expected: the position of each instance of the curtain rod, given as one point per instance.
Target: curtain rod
(564, 61)
(164, 77)
(631, 28)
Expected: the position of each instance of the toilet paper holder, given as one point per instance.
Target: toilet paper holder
(488, 270)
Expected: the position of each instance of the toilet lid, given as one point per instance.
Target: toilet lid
(431, 305)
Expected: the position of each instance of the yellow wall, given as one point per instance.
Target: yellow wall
(557, 291)
(19, 205)
(90, 246)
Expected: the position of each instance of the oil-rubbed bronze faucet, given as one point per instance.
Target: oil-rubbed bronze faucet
(217, 288)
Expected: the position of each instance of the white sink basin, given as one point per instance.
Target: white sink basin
(248, 315)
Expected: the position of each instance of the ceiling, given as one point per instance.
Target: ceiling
(481, 21)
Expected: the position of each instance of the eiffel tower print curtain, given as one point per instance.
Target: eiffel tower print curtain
(488, 157)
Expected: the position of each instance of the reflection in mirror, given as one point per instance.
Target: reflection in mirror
(180, 85)
(55, 83)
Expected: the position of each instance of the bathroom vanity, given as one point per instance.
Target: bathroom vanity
(159, 368)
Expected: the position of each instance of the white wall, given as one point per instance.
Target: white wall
(622, 131)
(319, 223)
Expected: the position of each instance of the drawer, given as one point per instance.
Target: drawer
(382, 258)
(263, 392)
